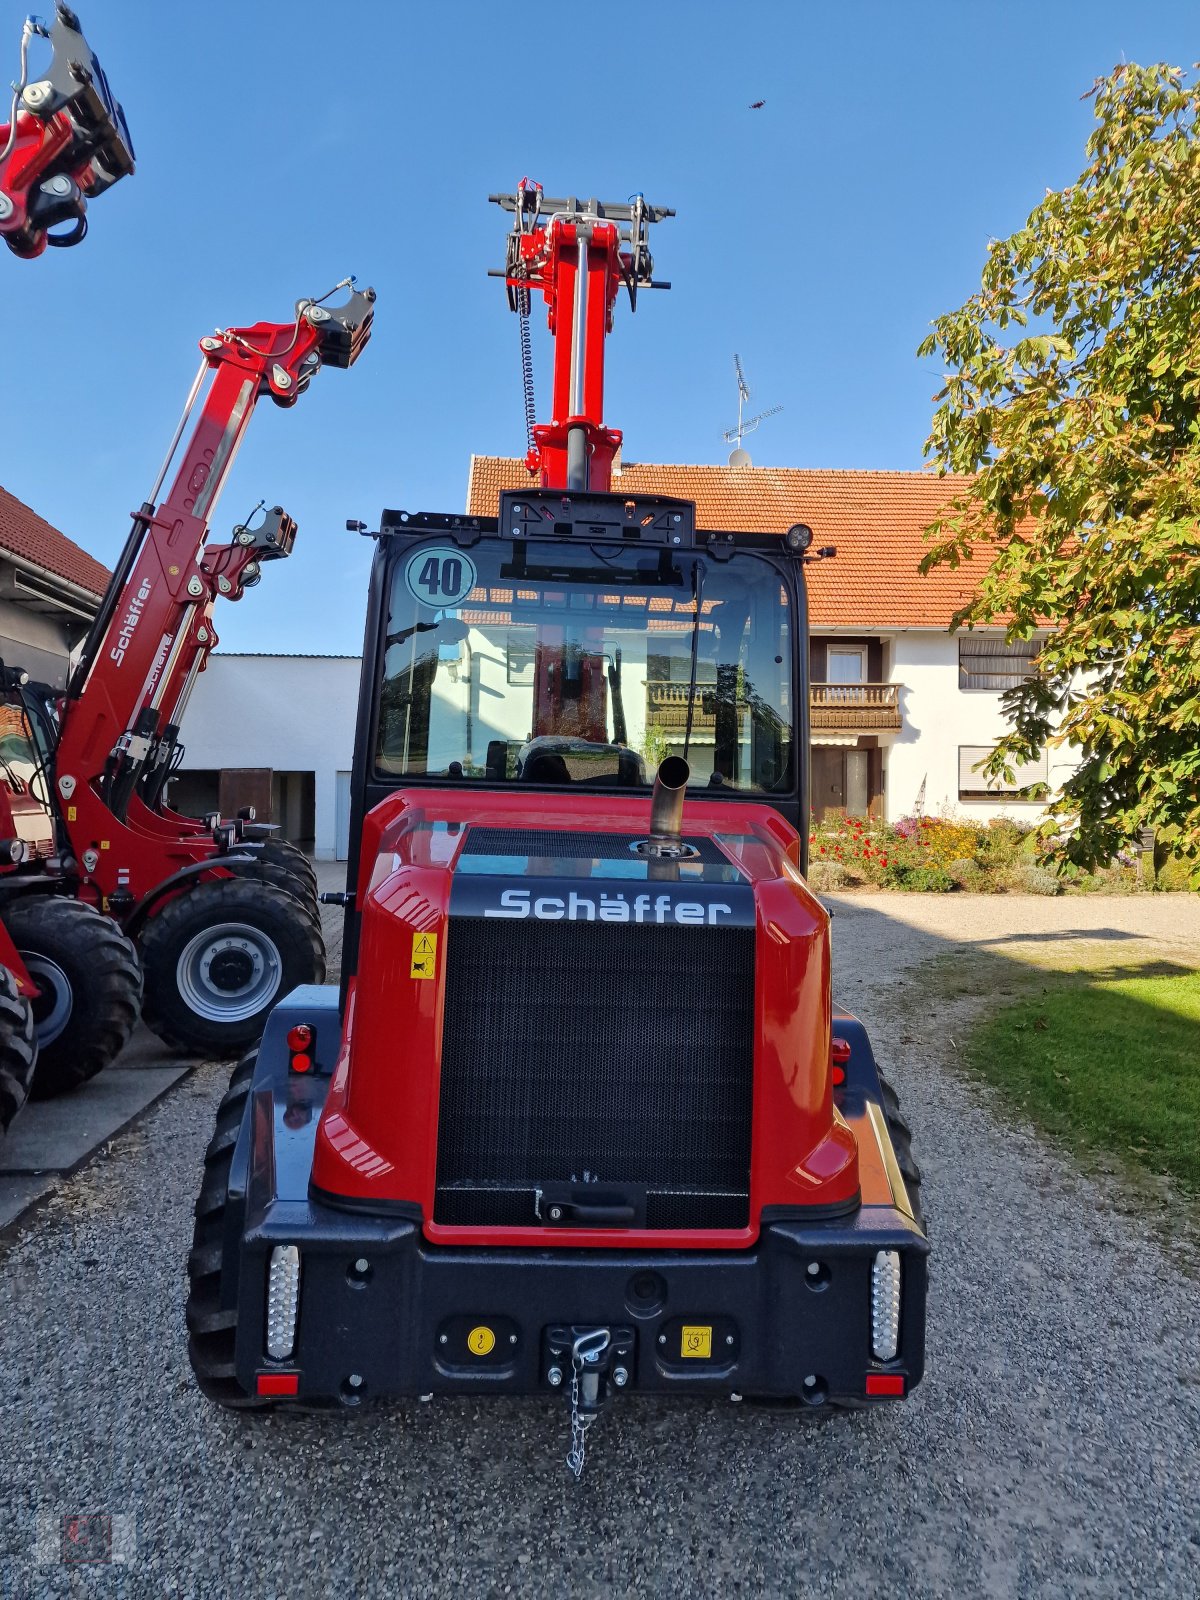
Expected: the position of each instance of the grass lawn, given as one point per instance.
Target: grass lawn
(1112, 1065)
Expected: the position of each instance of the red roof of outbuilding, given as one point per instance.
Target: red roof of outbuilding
(877, 520)
(31, 538)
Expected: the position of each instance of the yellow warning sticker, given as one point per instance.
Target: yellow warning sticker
(70, 813)
(481, 1341)
(104, 844)
(696, 1342)
(424, 955)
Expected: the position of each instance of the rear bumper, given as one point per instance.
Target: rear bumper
(796, 1307)
(379, 1304)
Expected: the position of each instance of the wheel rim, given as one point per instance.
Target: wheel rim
(56, 1000)
(229, 972)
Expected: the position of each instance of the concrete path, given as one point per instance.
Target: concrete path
(50, 1138)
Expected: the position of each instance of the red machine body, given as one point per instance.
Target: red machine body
(573, 257)
(65, 143)
(378, 1138)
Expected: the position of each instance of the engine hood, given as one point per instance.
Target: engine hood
(564, 848)
(458, 980)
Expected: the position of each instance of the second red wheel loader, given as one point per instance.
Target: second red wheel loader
(224, 922)
(582, 1119)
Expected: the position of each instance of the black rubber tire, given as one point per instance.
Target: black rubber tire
(285, 924)
(18, 1048)
(279, 853)
(103, 987)
(902, 1144)
(212, 1329)
(284, 878)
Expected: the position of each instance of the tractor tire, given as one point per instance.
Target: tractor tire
(18, 1048)
(902, 1144)
(279, 853)
(217, 958)
(283, 878)
(212, 1329)
(91, 987)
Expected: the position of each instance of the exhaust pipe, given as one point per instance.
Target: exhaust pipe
(666, 803)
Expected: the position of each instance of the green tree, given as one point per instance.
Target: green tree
(1073, 398)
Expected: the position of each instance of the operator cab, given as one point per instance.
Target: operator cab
(577, 647)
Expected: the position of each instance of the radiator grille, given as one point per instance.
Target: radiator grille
(624, 1051)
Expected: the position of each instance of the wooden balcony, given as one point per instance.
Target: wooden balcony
(855, 707)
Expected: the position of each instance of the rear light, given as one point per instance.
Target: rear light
(839, 1054)
(299, 1043)
(283, 1300)
(885, 1305)
(885, 1383)
(283, 1383)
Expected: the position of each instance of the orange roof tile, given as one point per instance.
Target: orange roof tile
(31, 538)
(877, 520)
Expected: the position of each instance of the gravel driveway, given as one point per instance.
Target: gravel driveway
(1052, 1449)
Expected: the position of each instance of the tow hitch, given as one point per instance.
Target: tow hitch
(587, 1361)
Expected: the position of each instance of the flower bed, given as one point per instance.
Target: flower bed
(939, 854)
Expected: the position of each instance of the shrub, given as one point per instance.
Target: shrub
(968, 874)
(826, 875)
(919, 880)
(861, 846)
(946, 840)
(1000, 842)
(1035, 880)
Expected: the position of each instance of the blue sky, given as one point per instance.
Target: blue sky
(281, 146)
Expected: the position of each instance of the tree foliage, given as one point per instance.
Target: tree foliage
(1073, 396)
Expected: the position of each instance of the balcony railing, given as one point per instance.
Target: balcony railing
(869, 707)
(862, 707)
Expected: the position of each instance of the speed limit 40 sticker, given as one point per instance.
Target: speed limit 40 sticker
(440, 576)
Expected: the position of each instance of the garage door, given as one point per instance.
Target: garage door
(343, 816)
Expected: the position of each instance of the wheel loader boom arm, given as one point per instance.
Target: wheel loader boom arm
(154, 621)
(578, 255)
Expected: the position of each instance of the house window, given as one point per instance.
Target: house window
(520, 656)
(846, 664)
(973, 785)
(991, 662)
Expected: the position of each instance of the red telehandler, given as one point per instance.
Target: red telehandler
(225, 920)
(582, 1118)
(66, 141)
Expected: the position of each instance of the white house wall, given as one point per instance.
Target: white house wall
(938, 717)
(289, 713)
(297, 714)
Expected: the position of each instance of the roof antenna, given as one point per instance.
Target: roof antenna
(740, 457)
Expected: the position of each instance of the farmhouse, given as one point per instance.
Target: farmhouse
(902, 711)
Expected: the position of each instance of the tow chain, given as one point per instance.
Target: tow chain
(526, 364)
(586, 1350)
